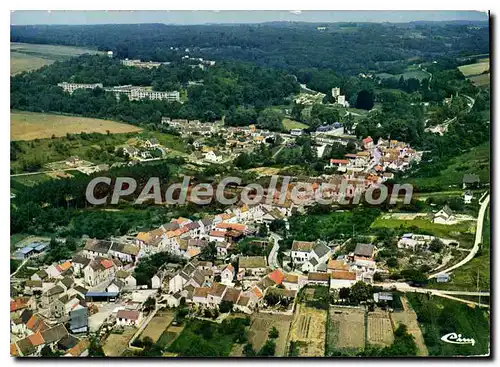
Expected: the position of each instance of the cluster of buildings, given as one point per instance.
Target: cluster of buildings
(134, 93)
(143, 149)
(379, 160)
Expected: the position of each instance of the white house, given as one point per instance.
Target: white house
(227, 275)
(342, 279)
(445, 216)
(128, 318)
(301, 251)
(468, 197)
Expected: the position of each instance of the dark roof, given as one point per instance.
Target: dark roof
(26, 315)
(100, 246)
(54, 334)
(232, 295)
(67, 281)
(80, 259)
(42, 274)
(313, 261)
(207, 221)
(80, 289)
(172, 226)
(448, 210)
(321, 249)
(217, 289)
(364, 249)
(25, 346)
(125, 248)
(67, 342)
(57, 289)
(192, 225)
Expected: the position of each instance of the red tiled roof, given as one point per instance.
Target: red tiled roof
(14, 352)
(18, 303)
(343, 275)
(128, 314)
(217, 234)
(78, 349)
(276, 276)
(107, 263)
(339, 161)
(367, 140)
(36, 339)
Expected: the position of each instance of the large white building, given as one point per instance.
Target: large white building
(137, 93)
(71, 87)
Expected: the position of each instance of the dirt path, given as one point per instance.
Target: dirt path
(409, 318)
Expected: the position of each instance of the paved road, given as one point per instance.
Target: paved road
(273, 255)
(477, 242)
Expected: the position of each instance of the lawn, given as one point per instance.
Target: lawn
(289, 124)
(157, 325)
(440, 316)
(30, 125)
(461, 231)
(416, 74)
(27, 57)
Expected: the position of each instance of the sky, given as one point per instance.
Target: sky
(226, 16)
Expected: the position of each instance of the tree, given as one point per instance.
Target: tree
(360, 292)
(392, 262)
(270, 119)
(248, 350)
(226, 306)
(364, 100)
(149, 305)
(344, 293)
(209, 252)
(274, 333)
(95, 349)
(436, 245)
(268, 349)
(263, 230)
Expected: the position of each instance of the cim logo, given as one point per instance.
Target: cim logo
(453, 338)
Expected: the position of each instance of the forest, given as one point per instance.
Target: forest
(221, 87)
(348, 48)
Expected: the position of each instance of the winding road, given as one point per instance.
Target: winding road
(477, 242)
(273, 255)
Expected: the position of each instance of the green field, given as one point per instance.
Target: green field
(439, 316)
(476, 161)
(292, 124)
(27, 57)
(480, 80)
(462, 232)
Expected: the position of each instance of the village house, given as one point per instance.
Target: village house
(125, 252)
(445, 216)
(99, 270)
(231, 295)
(342, 279)
(364, 251)
(129, 282)
(291, 281)
(317, 258)
(301, 250)
(253, 265)
(95, 247)
(128, 318)
(227, 275)
(215, 294)
(318, 279)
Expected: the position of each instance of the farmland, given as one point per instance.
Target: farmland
(379, 329)
(346, 330)
(439, 316)
(157, 325)
(30, 126)
(477, 73)
(417, 74)
(308, 329)
(474, 69)
(27, 57)
(260, 326)
(117, 343)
